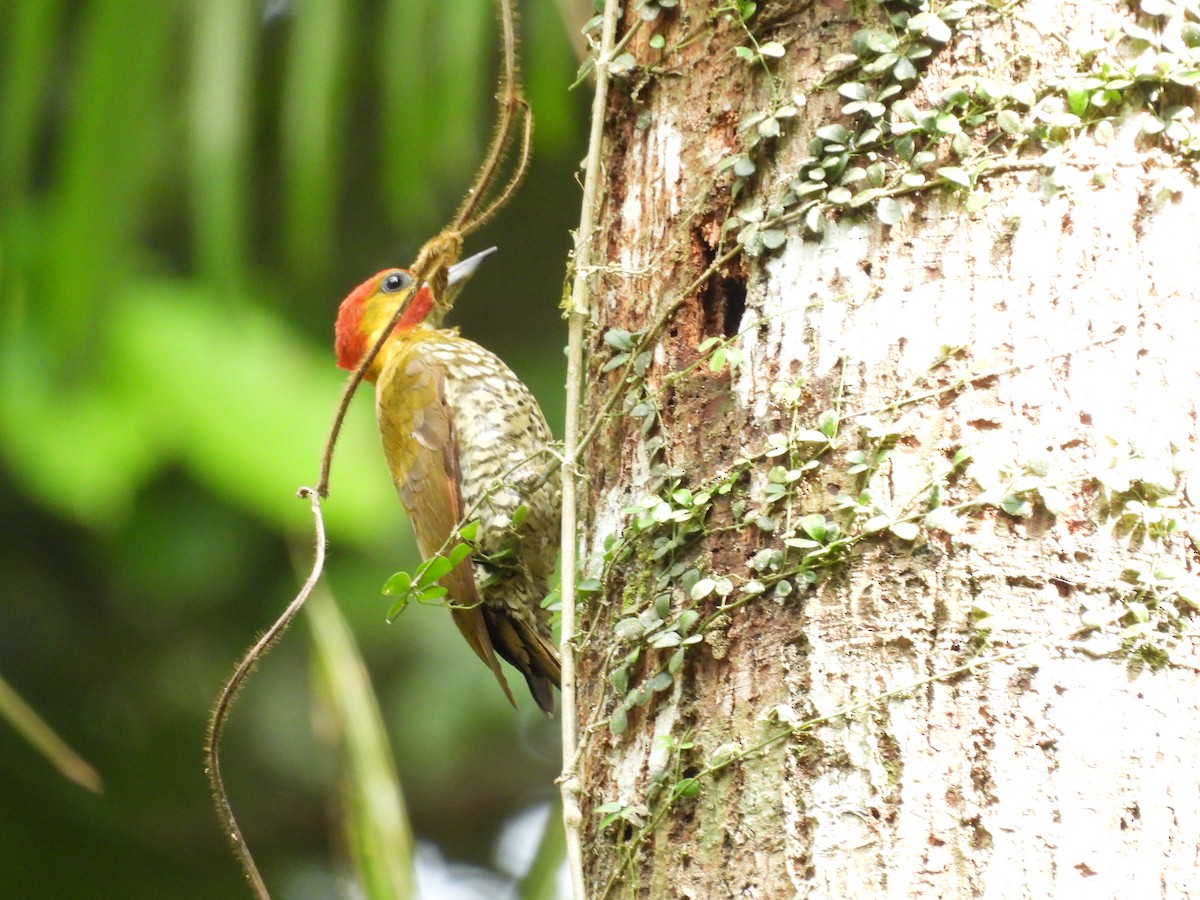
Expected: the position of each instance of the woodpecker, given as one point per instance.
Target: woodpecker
(465, 438)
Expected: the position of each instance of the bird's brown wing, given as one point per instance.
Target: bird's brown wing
(421, 447)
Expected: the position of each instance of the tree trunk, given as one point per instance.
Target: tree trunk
(887, 514)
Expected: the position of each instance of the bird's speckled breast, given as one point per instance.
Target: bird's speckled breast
(500, 430)
(501, 438)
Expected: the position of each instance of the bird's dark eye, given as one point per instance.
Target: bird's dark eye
(395, 282)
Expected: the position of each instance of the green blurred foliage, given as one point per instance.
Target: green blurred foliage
(187, 189)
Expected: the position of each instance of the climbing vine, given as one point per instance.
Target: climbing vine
(885, 146)
(766, 492)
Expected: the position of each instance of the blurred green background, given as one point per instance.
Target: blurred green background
(187, 190)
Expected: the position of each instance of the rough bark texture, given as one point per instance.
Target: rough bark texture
(1066, 769)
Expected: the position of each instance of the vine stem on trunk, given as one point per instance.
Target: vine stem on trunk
(577, 316)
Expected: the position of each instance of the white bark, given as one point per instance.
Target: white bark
(1056, 773)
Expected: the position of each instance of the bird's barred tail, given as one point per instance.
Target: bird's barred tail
(533, 655)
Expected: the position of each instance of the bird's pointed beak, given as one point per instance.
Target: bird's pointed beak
(458, 273)
(456, 277)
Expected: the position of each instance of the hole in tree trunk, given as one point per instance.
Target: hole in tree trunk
(724, 301)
